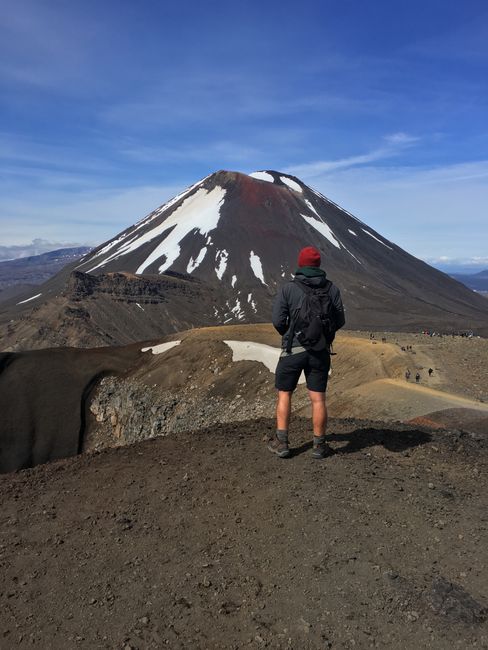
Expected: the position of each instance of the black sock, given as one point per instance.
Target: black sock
(282, 435)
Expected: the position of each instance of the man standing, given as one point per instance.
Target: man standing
(309, 279)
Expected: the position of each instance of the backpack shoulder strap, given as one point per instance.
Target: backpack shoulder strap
(294, 316)
(327, 286)
(304, 287)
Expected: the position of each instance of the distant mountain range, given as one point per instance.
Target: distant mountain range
(475, 281)
(217, 253)
(19, 275)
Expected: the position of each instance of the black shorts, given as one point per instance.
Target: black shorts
(315, 365)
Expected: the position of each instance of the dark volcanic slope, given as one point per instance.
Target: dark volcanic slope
(42, 400)
(207, 542)
(239, 236)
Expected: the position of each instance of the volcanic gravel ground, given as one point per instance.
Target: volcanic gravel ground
(206, 540)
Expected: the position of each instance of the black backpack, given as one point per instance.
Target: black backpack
(313, 322)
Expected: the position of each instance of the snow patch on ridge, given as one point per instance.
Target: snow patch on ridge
(262, 176)
(162, 347)
(29, 299)
(378, 240)
(193, 264)
(233, 281)
(352, 232)
(257, 267)
(322, 228)
(222, 257)
(250, 351)
(291, 184)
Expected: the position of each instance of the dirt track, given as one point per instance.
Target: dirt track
(207, 541)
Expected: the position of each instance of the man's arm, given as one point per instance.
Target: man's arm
(281, 313)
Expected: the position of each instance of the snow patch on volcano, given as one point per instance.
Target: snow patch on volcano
(378, 240)
(262, 176)
(322, 228)
(351, 254)
(352, 232)
(143, 222)
(222, 257)
(168, 204)
(237, 311)
(310, 207)
(291, 184)
(257, 267)
(198, 212)
(104, 250)
(251, 302)
(193, 264)
(201, 212)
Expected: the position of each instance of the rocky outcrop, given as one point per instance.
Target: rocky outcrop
(124, 411)
(128, 287)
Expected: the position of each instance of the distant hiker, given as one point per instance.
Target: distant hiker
(431, 370)
(417, 377)
(307, 312)
(407, 374)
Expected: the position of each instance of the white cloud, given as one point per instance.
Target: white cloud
(36, 247)
(475, 263)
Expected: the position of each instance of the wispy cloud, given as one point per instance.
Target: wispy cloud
(395, 144)
(401, 138)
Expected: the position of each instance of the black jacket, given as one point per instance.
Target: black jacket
(289, 298)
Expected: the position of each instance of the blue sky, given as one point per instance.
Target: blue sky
(109, 108)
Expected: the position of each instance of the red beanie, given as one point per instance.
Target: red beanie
(309, 256)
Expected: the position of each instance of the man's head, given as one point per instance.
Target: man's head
(309, 256)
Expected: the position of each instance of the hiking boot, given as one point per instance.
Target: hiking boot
(321, 449)
(279, 447)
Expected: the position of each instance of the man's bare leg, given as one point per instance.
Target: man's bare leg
(279, 444)
(283, 410)
(319, 413)
(319, 421)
